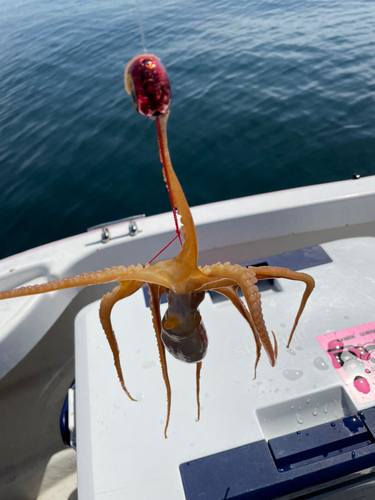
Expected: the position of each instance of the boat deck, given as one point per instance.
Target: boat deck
(122, 453)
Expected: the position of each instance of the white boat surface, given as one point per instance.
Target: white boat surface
(37, 334)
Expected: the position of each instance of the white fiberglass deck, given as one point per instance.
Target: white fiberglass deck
(122, 453)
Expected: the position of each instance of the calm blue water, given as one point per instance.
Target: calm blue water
(267, 95)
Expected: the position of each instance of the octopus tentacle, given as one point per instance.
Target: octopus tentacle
(264, 272)
(187, 259)
(231, 293)
(197, 377)
(114, 274)
(275, 348)
(201, 281)
(155, 292)
(106, 306)
(246, 279)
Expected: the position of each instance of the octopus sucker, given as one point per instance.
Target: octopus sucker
(184, 282)
(205, 269)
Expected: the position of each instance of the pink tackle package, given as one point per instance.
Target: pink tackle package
(352, 353)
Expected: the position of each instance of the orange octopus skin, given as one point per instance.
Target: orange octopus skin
(182, 277)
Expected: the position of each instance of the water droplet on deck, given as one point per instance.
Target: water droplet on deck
(299, 348)
(282, 325)
(276, 390)
(320, 363)
(308, 400)
(315, 411)
(325, 408)
(298, 432)
(207, 394)
(333, 424)
(367, 370)
(292, 407)
(291, 352)
(292, 374)
(353, 454)
(346, 317)
(139, 397)
(361, 384)
(148, 364)
(299, 418)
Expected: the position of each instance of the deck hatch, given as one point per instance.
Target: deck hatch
(295, 260)
(287, 464)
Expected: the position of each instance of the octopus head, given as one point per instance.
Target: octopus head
(183, 332)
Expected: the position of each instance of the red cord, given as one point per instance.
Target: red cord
(174, 211)
(161, 251)
(161, 148)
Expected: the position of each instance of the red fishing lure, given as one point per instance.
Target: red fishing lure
(146, 80)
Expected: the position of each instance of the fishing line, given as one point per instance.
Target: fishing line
(140, 22)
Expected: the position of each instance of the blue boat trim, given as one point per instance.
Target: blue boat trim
(64, 418)
(286, 464)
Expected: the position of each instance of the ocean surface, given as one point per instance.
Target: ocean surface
(267, 95)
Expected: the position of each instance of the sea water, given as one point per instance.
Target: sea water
(267, 95)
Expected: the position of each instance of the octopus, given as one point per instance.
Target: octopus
(181, 331)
